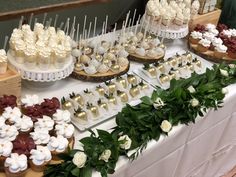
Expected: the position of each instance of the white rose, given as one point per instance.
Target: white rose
(166, 126)
(191, 89)
(224, 72)
(158, 103)
(105, 155)
(127, 144)
(232, 66)
(194, 102)
(79, 159)
(224, 91)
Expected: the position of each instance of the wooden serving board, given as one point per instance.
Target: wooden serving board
(31, 173)
(10, 83)
(99, 77)
(209, 55)
(144, 59)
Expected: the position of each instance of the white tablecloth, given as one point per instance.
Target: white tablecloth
(204, 149)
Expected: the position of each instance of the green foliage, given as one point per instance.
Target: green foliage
(142, 122)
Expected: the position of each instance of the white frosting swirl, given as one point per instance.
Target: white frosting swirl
(227, 33)
(196, 35)
(205, 42)
(2, 121)
(65, 130)
(30, 100)
(210, 26)
(217, 41)
(209, 36)
(44, 123)
(221, 48)
(12, 115)
(24, 124)
(40, 155)
(40, 136)
(16, 163)
(8, 132)
(58, 144)
(6, 147)
(140, 51)
(62, 116)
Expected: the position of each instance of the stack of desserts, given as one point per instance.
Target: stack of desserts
(218, 42)
(41, 47)
(33, 135)
(171, 14)
(3, 61)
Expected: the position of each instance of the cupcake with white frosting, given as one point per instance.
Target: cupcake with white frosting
(44, 58)
(44, 123)
(195, 37)
(30, 100)
(8, 132)
(6, 147)
(3, 61)
(203, 45)
(40, 136)
(24, 125)
(65, 130)
(12, 115)
(220, 51)
(39, 158)
(62, 116)
(19, 51)
(216, 42)
(57, 145)
(16, 165)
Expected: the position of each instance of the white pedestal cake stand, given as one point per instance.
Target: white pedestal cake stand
(40, 76)
(170, 32)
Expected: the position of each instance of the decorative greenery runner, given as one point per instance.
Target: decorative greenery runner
(137, 125)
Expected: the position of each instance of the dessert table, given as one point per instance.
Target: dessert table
(206, 148)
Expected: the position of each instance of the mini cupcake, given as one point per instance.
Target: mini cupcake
(195, 37)
(216, 42)
(203, 45)
(179, 19)
(44, 123)
(166, 19)
(30, 56)
(3, 61)
(8, 132)
(220, 51)
(39, 158)
(12, 115)
(24, 125)
(16, 165)
(209, 36)
(40, 136)
(5, 151)
(62, 116)
(65, 130)
(30, 100)
(19, 51)
(57, 145)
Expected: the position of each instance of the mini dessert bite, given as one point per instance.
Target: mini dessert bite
(8, 132)
(24, 125)
(203, 45)
(195, 37)
(220, 51)
(3, 61)
(44, 123)
(39, 158)
(16, 165)
(57, 145)
(6, 147)
(40, 136)
(66, 130)
(81, 116)
(12, 115)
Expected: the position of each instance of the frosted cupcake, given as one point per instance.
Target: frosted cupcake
(195, 37)
(12, 115)
(3, 61)
(44, 123)
(166, 19)
(65, 130)
(216, 42)
(39, 158)
(19, 51)
(40, 136)
(203, 45)
(16, 165)
(8, 132)
(62, 116)
(5, 151)
(220, 51)
(57, 145)
(30, 57)
(59, 57)
(24, 125)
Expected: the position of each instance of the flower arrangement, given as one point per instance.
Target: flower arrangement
(154, 116)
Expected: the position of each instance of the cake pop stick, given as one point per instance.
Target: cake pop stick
(50, 21)
(85, 19)
(143, 19)
(77, 33)
(20, 22)
(35, 21)
(105, 29)
(136, 26)
(5, 42)
(73, 26)
(44, 17)
(145, 31)
(80, 38)
(129, 24)
(61, 25)
(68, 26)
(127, 18)
(95, 25)
(55, 21)
(114, 34)
(31, 18)
(47, 25)
(132, 24)
(90, 24)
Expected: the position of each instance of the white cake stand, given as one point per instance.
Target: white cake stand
(170, 32)
(37, 75)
